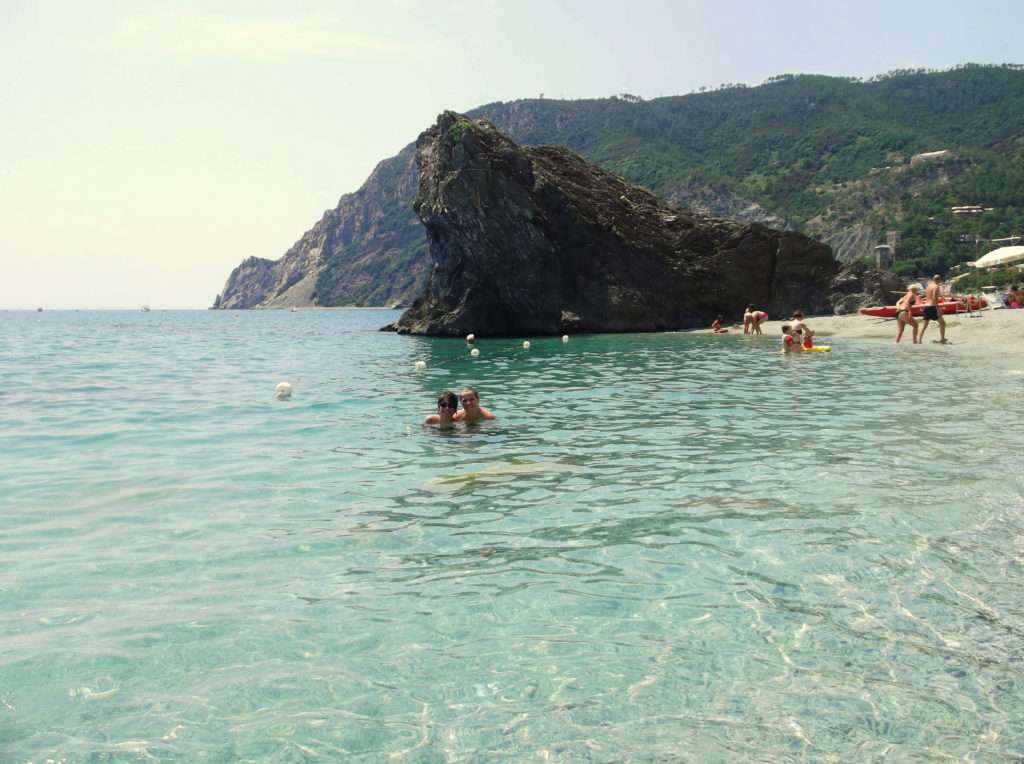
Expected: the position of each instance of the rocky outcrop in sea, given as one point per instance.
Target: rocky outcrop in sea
(535, 240)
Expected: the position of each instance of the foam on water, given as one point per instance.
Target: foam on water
(667, 547)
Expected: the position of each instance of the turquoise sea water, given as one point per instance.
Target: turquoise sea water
(667, 548)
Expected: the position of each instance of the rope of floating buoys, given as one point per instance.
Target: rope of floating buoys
(474, 352)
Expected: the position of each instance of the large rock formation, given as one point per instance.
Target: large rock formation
(538, 241)
(832, 158)
(858, 285)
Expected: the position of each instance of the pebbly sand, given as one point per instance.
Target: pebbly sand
(988, 332)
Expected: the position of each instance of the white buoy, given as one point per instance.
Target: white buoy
(471, 338)
(526, 345)
(474, 352)
(283, 391)
(565, 338)
(421, 365)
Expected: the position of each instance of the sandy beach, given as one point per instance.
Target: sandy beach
(997, 333)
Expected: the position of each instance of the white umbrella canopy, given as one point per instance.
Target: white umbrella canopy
(1001, 256)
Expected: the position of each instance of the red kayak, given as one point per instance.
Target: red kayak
(959, 305)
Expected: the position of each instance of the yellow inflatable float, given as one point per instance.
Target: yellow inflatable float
(817, 349)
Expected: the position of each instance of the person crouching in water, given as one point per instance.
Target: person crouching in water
(716, 326)
(471, 411)
(790, 343)
(447, 403)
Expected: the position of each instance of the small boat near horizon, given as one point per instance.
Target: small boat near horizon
(145, 309)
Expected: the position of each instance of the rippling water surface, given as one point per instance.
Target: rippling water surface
(667, 548)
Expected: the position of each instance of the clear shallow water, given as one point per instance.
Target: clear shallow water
(667, 548)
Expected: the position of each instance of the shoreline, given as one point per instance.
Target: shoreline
(990, 331)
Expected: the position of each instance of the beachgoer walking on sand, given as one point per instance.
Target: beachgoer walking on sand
(903, 316)
(471, 411)
(790, 343)
(716, 326)
(800, 327)
(932, 311)
(447, 404)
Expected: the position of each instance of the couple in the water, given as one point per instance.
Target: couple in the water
(448, 412)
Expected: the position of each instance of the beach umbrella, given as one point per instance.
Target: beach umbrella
(1001, 256)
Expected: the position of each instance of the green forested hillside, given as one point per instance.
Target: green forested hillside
(836, 158)
(820, 152)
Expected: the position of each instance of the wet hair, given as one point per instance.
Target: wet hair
(936, 277)
(798, 314)
(471, 389)
(449, 399)
(786, 328)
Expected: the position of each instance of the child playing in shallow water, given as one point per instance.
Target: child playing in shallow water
(790, 342)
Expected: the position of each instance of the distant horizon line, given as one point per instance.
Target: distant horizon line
(288, 308)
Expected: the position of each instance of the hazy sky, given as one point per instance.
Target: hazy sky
(148, 147)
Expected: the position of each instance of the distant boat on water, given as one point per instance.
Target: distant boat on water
(145, 309)
(39, 310)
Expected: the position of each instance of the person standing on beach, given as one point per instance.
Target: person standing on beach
(903, 315)
(932, 311)
(471, 411)
(752, 320)
(801, 328)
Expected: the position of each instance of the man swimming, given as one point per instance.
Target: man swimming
(932, 311)
(471, 411)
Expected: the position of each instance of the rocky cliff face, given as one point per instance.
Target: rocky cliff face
(858, 286)
(538, 241)
(369, 250)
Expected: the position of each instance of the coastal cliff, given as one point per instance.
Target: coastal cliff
(539, 241)
(842, 161)
(369, 250)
